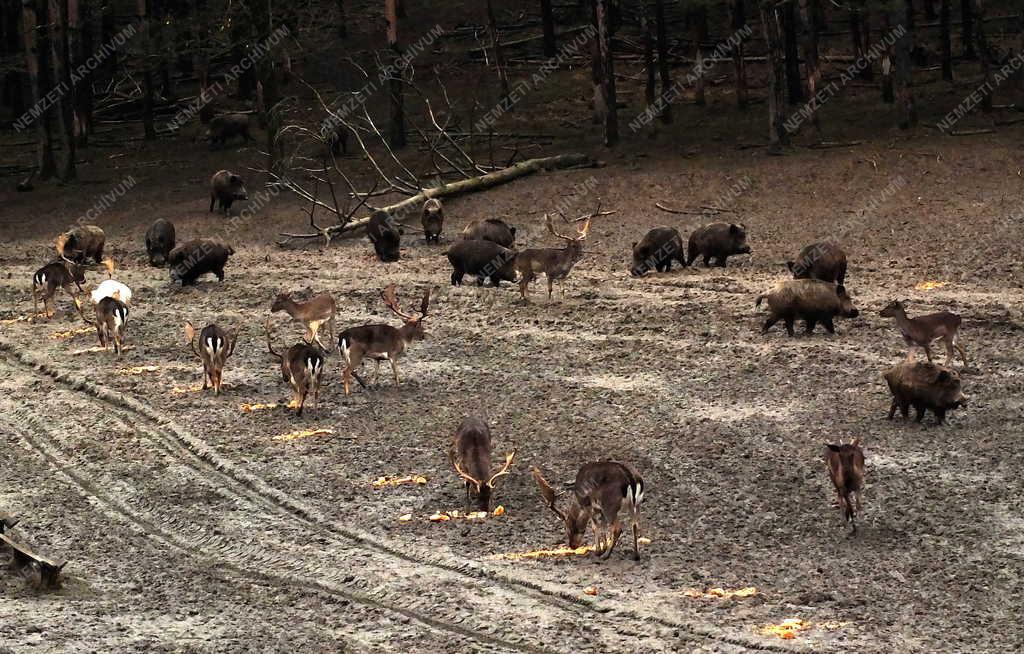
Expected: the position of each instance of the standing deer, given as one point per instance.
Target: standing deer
(846, 470)
(382, 342)
(600, 490)
(553, 262)
(313, 313)
(111, 322)
(470, 455)
(62, 274)
(301, 366)
(215, 347)
(923, 330)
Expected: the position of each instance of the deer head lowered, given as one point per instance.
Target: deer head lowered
(216, 345)
(553, 262)
(470, 455)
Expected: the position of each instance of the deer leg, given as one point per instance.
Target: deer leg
(35, 299)
(376, 371)
(948, 342)
(960, 349)
(467, 497)
(613, 537)
(550, 286)
(394, 370)
(636, 540)
(928, 351)
(207, 377)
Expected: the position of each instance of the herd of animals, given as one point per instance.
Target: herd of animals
(486, 249)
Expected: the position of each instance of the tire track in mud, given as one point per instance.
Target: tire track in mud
(482, 592)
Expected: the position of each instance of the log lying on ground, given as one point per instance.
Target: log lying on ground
(410, 207)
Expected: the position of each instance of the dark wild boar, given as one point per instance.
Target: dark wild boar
(485, 259)
(198, 257)
(657, 250)
(924, 386)
(845, 464)
(491, 229)
(385, 236)
(81, 243)
(432, 220)
(825, 261)
(717, 241)
(225, 188)
(159, 241)
(811, 300)
(337, 140)
(470, 455)
(221, 128)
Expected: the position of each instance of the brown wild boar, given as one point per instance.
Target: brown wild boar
(491, 229)
(657, 250)
(159, 241)
(81, 243)
(223, 127)
(717, 241)
(470, 455)
(846, 470)
(198, 257)
(924, 386)
(811, 300)
(225, 188)
(432, 220)
(825, 261)
(485, 259)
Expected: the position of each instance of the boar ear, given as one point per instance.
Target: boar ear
(840, 290)
(634, 245)
(831, 447)
(943, 377)
(790, 265)
(734, 229)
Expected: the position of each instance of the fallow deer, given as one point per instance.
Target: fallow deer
(302, 367)
(553, 262)
(111, 322)
(63, 274)
(846, 470)
(923, 330)
(216, 345)
(314, 313)
(382, 342)
(470, 455)
(600, 490)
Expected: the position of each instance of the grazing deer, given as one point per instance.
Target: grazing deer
(846, 470)
(923, 330)
(215, 347)
(470, 455)
(553, 262)
(599, 492)
(318, 310)
(111, 322)
(301, 366)
(382, 342)
(62, 274)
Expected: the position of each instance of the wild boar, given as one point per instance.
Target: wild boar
(198, 257)
(223, 127)
(159, 241)
(81, 243)
(432, 220)
(385, 236)
(717, 241)
(485, 259)
(491, 229)
(225, 188)
(924, 386)
(337, 140)
(811, 300)
(825, 261)
(657, 250)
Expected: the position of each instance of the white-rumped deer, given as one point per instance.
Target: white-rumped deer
(846, 470)
(923, 330)
(470, 455)
(600, 490)
(62, 274)
(111, 323)
(314, 313)
(382, 342)
(555, 263)
(302, 367)
(216, 345)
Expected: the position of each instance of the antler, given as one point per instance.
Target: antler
(190, 334)
(547, 493)
(425, 303)
(551, 228)
(108, 263)
(60, 243)
(390, 299)
(462, 473)
(504, 471)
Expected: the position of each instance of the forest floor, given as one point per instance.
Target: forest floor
(193, 525)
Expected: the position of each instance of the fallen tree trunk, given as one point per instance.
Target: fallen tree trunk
(410, 206)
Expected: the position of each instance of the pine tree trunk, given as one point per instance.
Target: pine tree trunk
(663, 68)
(772, 23)
(499, 58)
(902, 80)
(342, 20)
(62, 80)
(396, 132)
(547, 16)
(793, 83)
(929, 9)
(700, 16)
(808, 11)
(887, 62)
(967, 35)
(859, 48)
(946, 41)
(984, 54)
(45, 163)
(142, 10)
(739, 21)
(650, 73)
(604, 74)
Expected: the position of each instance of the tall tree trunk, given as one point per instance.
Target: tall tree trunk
(887, 61)
(547, 17)
(663, 68)
(772, 23)
(985, 55)
(793, 84)
(604, 74)
(396, 133)
(650, 73)
(62, 81)
(902, 81)
(739, 21)
(82, 84)
(859, 48)
(946, 41)
(808, 11)
(499, 58)
(929, 9)
(45, 163)
(967, 34)
(910, 15)
(700, 21)
(342, 20)
(142, 11)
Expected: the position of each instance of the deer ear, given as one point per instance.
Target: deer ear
(856, 442)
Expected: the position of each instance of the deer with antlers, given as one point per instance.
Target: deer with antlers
(599, 493)
(302, 367)
(382, 342)
(216, 346)
(470, 455)
(555, 263)
(922, 331)
(317, 311)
